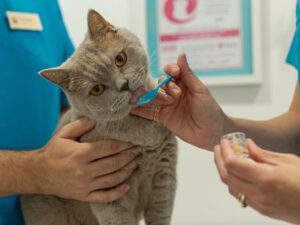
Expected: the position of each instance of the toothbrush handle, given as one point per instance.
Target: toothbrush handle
(168, 79)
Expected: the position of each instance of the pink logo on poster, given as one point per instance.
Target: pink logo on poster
(170, 9)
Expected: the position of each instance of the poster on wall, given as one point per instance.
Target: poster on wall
(216, 35)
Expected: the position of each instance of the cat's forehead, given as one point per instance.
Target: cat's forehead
(127, 35)
(117, 40)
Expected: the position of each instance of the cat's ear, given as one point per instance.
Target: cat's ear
(57, 76)
(97, 24)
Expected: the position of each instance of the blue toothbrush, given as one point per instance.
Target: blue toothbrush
(150, 95)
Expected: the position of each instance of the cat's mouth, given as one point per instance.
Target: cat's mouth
(137, 94)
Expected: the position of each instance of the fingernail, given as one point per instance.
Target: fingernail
(131, 167)
(126, 188)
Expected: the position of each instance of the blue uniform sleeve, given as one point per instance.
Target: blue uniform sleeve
(292, 57)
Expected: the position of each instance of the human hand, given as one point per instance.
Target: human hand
(187, 108)
(271, 183)
(84, 171)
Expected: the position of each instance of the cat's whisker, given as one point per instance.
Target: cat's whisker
(153, 53)
(151, 57)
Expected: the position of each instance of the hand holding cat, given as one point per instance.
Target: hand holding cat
(271, 182)
(84, 171)
(192, 114)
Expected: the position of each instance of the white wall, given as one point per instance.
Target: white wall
(201, 197)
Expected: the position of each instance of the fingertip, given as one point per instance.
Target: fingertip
(122, 190)
(176, 93)
(172, 90)
(126, 188)
(118, 192)
(127, 145)
(226, 148)
(173, 85)
(164, 97)
(253, 149)
(224, 142)
(251, 144)
(217, 148)
(166, 67)
(173, 70)
(91, 123)
(86, 121)
(77, 128)
(182, 59)
(169, 98)
(183, 56)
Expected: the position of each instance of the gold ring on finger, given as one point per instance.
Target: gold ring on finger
(242, 200)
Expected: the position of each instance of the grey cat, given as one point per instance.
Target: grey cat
(102, 80)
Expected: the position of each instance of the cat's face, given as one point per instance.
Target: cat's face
(106, 74)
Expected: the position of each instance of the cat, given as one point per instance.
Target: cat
(102, 81)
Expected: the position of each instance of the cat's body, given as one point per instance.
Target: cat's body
(152, 185)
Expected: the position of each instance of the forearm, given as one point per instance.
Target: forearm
(17, 172)
(279, 134)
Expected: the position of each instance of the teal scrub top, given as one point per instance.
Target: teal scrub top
(293, 56)
(29, 105)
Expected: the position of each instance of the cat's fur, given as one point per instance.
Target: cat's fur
(153, 184)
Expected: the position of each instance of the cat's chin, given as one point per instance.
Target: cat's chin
(137, 94)
(118, 115)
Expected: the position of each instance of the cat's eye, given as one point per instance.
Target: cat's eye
(97, 90)
(121, 59)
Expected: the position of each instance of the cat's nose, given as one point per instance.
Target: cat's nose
(125, 86)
